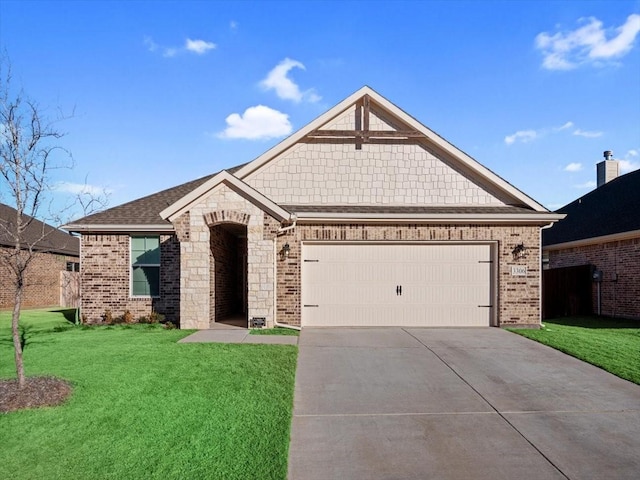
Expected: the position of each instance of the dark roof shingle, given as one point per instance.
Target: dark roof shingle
(612, 208)
(39, 235)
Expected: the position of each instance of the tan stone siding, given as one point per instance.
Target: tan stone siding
(42, 279)
(105, 278)
(620, 264)
(518, 297)
(195, 258)
(338, 174)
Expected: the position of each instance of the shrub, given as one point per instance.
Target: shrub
(169, 325)
(156, 317)
(107, 317)
(127, 317)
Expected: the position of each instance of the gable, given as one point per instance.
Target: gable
(367, 151)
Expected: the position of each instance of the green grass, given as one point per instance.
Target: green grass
(611, 344)
(144, 406)
(275, 331)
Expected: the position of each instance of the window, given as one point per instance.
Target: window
(145, 266)
(73, 267)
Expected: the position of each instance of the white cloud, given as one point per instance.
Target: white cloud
(573, 167)
(81, 189)
(259, 122)
(199, 47)
(586, 134)
(627, 166)
(526, 136)
(277, 79)
(233, 25)
(590, 43)
(589, 184)
(564, 127)
(632, 153)
(523, 136)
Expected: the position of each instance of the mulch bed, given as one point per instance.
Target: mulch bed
(37, 392)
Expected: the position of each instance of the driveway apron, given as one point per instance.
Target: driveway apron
(426, 403)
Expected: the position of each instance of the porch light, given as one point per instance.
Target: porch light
(286, 249)
(519, 251)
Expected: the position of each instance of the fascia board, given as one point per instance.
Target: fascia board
(178, 208)
(79, 228)
(536, 218)
(614, 237)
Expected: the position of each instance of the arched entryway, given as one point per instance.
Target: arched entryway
(228, 268)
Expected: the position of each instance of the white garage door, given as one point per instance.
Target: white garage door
(396, 285)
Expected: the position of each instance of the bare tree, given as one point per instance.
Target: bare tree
(29, 152)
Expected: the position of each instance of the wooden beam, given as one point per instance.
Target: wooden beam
(358, 125)
(367, 133)
(367, 108)
(353, 140)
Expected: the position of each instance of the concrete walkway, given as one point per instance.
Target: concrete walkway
(237, 335)
(456, 404)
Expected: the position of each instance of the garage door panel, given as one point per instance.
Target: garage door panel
(357, 285)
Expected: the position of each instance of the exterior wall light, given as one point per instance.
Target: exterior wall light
(519, 251)
(286, 249)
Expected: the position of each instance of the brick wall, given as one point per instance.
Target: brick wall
(42, 280)
(518, 297)
(105, 278)
(620, 264)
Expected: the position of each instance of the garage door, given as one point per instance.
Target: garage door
(396, 285)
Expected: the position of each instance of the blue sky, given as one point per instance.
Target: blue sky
(166, 92)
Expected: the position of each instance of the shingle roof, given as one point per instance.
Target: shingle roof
(612, 208)
(41, 236)
(145, 210)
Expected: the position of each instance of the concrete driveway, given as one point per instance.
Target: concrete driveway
(419, 403)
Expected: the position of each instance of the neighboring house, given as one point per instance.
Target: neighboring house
(602, 230)
(364, 217)
(47, 281)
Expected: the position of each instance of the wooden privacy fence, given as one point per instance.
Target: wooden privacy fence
(69, 289)
(567, 291)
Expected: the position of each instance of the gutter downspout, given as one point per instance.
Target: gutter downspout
(280, 231)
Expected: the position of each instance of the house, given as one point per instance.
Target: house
(601, 233)
(49, 279)
(364, 217)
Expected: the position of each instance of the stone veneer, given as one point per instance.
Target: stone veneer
(222, 205)
(518, 297)
(338, 174)
(105, 278)
(620, 265)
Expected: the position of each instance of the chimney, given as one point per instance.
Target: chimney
(608, 169)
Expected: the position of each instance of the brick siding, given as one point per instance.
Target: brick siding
(42, 280)
(105, 273)
(518, 297)
(620, 264)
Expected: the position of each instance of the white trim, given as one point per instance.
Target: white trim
(183, 204)
(614, 237)
(124, 228)
(430, 135)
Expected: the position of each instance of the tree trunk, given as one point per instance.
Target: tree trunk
(15, 330)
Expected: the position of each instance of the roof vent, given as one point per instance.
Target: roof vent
(608, 169)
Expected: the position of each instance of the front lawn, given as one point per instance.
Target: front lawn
(611, 344)
(144, 406)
